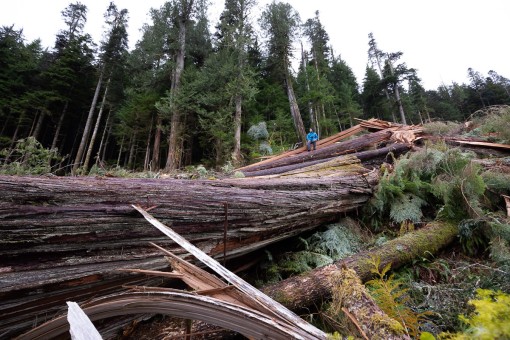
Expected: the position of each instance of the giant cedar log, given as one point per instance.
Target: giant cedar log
(63, 238)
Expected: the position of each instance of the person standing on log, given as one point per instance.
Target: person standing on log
(311, 139)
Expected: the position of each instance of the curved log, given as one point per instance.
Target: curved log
(246, 321)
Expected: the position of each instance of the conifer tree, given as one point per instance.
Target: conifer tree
(281, 22)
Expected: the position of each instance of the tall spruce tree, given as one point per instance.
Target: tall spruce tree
(234, 35)
(281, 24)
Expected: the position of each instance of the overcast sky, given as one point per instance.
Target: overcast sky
(439, 38)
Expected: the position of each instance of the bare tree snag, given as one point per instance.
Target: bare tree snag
(307, 290)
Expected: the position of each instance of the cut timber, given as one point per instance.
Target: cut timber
(81, 328)
(482, 144)
(364, 156)
(320, 144)
(248, 300)
(65, 237)
(357, 144)
(245, 321)
(267, 305)
(307, 290)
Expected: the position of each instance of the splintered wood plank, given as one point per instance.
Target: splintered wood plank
(277, 309)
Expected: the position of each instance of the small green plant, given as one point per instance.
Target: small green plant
(227, 168)
(28, 157)
(393, 298)
(490, 319)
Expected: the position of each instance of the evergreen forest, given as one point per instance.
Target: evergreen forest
(400, 232)
(197, 92)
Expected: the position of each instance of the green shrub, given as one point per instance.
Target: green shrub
(436, 176)
(490, 319)
(29, 157)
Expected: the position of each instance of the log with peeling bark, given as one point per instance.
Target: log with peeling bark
(63, 237)
(305, 291)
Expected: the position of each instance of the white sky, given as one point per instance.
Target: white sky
(440, 38)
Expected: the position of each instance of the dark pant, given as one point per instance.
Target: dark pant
(309, 143)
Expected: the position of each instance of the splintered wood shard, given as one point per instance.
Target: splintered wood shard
(309, 331)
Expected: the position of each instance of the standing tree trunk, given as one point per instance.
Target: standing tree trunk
(313, 123)
(38, 126)
(157, 144)
(146, 162)
(102, 144)
(236, 154)
(397, 96)
(120, 150)
(86, 130)
(59, 125)
(96, 128)
(294, 108)
(132, 148)
(175, 140)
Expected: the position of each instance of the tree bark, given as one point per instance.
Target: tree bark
(96, 128)
(236, 154)
(85, 136)
(59, 125)
(307, 290)
(294, 108)
(157, 144)
(66, 236)
(338, 149)
(175, 142)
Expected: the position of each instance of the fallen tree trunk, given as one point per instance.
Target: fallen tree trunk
(302, 292)
(320, 144)
(65, 237)
(338, 149)
(364, 156)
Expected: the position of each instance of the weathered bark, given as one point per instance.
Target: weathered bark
(364, 156)
(305, 291)
(338, 149)
(64, 237)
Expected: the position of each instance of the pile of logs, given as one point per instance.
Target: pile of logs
(63, 237)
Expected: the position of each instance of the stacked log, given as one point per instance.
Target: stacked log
(64, 237)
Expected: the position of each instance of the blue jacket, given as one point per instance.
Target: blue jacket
(312, 136)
